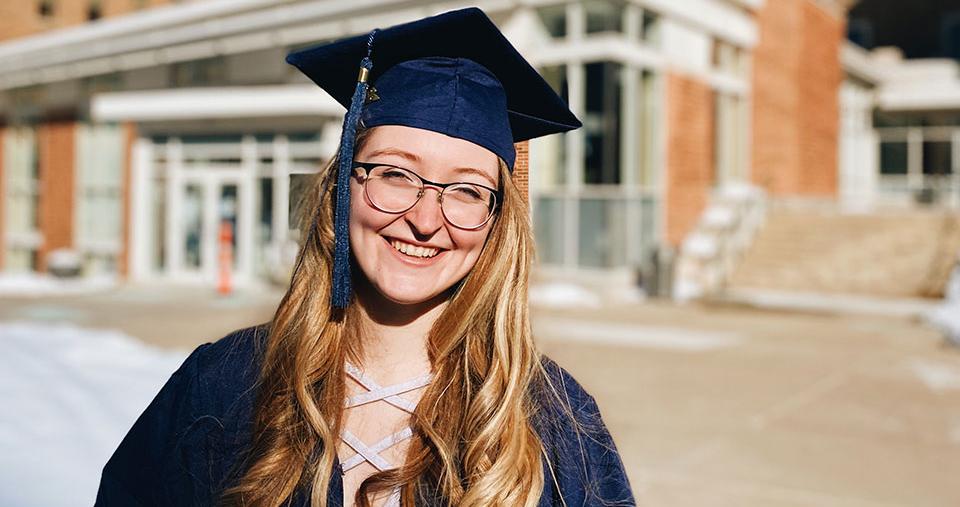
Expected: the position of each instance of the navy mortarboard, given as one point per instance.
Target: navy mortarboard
(454, 73)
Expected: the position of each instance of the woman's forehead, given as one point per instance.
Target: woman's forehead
(428, 151)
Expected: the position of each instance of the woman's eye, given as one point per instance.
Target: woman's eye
(467, 193)
(395, 175)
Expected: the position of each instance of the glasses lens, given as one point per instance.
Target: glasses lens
(392, 189)
(467, 206)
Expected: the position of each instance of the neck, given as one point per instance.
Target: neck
(395, 341)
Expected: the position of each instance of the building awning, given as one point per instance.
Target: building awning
(213, 103)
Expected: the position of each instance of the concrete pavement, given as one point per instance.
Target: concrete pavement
(709, 405)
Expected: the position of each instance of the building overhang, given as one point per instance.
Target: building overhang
(213, 103)
(922, 97)
(191, 31)
(858, 65)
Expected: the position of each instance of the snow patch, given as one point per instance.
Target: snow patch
(946, 317)
(563, 295)
(70, 395)
(937, 376)
(38, 285)
(630, 335)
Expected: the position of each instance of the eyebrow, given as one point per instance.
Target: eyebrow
(413, 157)
(478, 172)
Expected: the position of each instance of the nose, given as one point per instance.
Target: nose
(425, 216)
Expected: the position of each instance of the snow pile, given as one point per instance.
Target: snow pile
(37, 285)
(70, 395)
(946, 316)
(563, 295)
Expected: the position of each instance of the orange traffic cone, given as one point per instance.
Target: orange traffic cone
(225, 282)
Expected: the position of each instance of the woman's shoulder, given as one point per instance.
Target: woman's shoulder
(583, 462)
(559, 395)
(230, 365)
(183, 446)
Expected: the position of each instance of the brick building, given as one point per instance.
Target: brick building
(131, 136)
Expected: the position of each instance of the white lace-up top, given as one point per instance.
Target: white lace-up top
(387, 394)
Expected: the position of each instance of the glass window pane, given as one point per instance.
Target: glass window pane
(192, 225)
(936, 157)
(893, 157)
(549, 154)
(604, 16)
(650, 31)
(602, 123)
(228, 218)
(554, 19)
(602, 241)
(548, 229)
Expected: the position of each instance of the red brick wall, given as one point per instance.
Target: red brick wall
(57, 144)
(690, 153)
(521, 168)
(820, 81)
(796, 113)
(19, 18)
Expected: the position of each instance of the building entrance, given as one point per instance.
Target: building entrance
(208, 237)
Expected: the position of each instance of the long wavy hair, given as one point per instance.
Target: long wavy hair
(474, 442)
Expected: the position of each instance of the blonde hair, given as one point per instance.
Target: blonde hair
(475, 445)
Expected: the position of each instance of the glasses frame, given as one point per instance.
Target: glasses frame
(424, 183)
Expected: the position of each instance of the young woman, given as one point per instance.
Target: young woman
(399, 368)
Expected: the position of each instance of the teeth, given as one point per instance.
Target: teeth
(413, 250)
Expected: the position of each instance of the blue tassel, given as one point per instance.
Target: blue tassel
(342, 287)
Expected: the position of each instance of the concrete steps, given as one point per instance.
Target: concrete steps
(908, 254)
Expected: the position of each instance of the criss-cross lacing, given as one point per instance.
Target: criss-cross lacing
(388, 394)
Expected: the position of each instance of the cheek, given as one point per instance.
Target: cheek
(471, 244)
(362, 214)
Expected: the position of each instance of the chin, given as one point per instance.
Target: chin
(411, 296)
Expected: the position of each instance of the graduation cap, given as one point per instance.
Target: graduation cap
(454, 73)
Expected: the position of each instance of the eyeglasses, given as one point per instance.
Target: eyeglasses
(393, 189)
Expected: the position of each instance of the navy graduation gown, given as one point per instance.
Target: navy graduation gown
(185, 447)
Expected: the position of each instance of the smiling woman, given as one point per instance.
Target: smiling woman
(400, 368)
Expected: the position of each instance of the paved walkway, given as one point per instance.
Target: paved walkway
(709, 405)
(754, 408)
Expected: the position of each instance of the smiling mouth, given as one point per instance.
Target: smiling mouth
(420, 252)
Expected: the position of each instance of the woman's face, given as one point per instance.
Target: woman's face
(377, 237)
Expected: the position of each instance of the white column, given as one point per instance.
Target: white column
(281, 188)
(576, 81)
(630, 161)
(246, 232)
(142, 224)
(914, 159)
(174, 203)
(210, 232)
(955, 168)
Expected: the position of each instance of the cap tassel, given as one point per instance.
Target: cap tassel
(342, 287)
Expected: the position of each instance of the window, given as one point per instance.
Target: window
(550, 153)
(94, 11)
(206, 72)
(22, 175)
(45, 8)
(893, 157)
(604, 16)
(554, 19)
(650, 27)
(602, 123)
(727, 58)
(99, 194)
(936, 158)
(729, 141)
